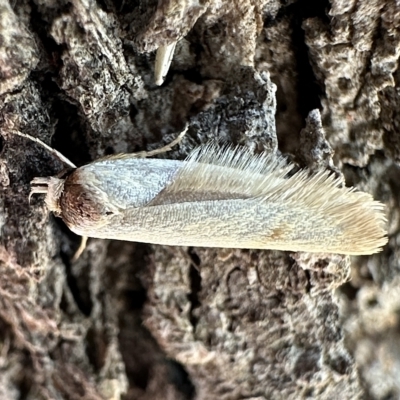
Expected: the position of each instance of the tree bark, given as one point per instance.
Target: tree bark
(315, 80)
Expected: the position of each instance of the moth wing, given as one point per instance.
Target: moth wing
(214, 173)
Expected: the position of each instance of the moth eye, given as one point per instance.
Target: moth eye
(109, 213)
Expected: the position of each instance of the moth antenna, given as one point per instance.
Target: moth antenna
(161, 150)
(61, 157)
(169, 146)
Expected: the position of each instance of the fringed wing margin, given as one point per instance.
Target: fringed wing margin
(214, 172)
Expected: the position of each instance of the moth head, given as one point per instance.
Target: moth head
(52, 187)
(75, 198)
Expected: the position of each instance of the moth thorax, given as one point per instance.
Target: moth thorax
(52, 187)
(82, 203)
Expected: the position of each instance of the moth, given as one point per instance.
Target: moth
(217, 197)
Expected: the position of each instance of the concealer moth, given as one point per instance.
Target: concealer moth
(217, 197)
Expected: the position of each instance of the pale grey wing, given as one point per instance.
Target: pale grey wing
(214, 174)
(238, 223)
(230, 172)
(131, 182)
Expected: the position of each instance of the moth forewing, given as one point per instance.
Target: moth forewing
(242, 223)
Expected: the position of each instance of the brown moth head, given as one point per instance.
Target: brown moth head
(76, 199)
(83, 205)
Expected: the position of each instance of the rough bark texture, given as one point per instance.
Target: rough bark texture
(134, 321)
